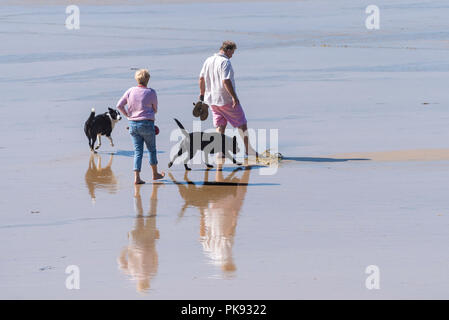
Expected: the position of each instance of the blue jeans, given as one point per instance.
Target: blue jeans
(143, 131)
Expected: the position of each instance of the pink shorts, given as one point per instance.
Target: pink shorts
(224, 114)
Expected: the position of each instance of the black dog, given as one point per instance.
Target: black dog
(101, 125)
(207, 142)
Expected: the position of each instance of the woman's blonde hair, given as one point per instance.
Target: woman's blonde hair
(142, 76)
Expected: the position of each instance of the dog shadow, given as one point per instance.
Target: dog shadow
(98, 177)
(139, 259)
(219, 203)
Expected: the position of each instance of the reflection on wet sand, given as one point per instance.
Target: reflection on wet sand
(219, 204)
(140, 259)
(100, 178)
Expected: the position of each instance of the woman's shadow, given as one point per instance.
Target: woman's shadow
(139, 259)
(219, 203)
(98, 177)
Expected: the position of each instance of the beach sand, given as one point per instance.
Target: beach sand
(400, 155)
(362, 119)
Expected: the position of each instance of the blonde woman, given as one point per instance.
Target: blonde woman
(142, 106)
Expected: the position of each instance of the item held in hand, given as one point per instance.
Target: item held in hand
(201, 110)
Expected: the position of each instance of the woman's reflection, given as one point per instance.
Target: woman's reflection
(140, 259)
(100, 178)
(219, 203)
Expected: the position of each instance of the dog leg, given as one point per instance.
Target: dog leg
(94, 139)
(99, 142)
(187, 160)
(229, 156)
(206, 160)
(185, 164)
(110, 139)
(180, 152)
(174, 158)
(91, 146)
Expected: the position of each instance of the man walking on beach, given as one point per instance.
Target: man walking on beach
(217, 89)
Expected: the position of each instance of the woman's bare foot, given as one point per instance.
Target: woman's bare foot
(158, 176)
(137, 179)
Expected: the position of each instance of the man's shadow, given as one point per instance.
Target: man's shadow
(98, 177)
(318, 159)
(219, 203)
(139, 259)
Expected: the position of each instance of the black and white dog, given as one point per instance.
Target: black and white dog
(100, 125)
(207, 142)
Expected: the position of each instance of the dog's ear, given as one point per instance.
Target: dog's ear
(110, 109)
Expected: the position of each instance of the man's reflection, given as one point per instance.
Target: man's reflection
(140, 259)
(98, 177)
(219, 203)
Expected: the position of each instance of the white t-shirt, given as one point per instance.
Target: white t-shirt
(216, 69)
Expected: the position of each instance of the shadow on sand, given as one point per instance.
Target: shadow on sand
(316, 159)
(221, 182)
(126, 153)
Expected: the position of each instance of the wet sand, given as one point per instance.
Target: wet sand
(400, 155)
(362, 119)
(120, 2)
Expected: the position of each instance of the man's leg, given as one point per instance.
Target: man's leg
(236, 117)
(221, 129)
(249, 151)
(243, 131)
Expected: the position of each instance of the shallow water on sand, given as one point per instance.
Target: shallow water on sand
(353, 108)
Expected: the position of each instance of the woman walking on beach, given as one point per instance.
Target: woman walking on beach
(142, 106)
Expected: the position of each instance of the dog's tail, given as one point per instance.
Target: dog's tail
(92, 115)
(91, 118)
(88, 123)
(184, 131)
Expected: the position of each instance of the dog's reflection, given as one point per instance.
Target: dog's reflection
(140, 259)
(219, 203)
(98, 177)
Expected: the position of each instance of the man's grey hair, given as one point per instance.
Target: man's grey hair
(228, 45)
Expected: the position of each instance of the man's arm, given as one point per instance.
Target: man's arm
(202, 88)
(229, 88)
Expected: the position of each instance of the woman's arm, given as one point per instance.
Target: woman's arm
(122, 103)
(154, 102)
